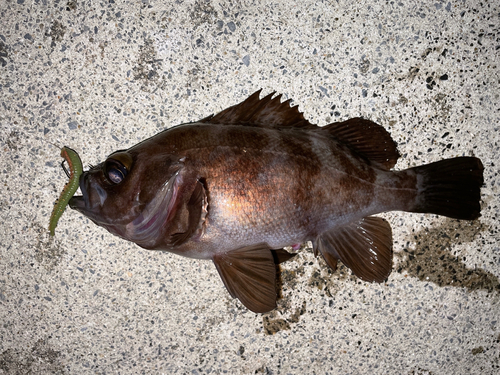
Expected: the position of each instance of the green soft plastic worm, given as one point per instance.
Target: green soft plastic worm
(75, 171)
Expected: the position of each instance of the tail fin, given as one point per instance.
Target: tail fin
(450, 187)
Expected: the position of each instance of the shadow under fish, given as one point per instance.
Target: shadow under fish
(239, 186)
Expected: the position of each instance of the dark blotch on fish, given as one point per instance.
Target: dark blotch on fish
(239, 186)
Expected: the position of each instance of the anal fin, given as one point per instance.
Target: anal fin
(364, 246)
(249, 274)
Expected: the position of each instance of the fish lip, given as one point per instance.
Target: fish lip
(80, 202)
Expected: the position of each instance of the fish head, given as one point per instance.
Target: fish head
(133, 194)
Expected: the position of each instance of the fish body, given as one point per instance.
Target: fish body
(239, 186)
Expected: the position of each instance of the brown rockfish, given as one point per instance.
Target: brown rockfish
(239, 186)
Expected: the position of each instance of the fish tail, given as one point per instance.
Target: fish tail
(450, 187)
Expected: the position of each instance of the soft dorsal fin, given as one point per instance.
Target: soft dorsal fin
(267, 111)
(249, 274)
(364, 246)
(366, 138)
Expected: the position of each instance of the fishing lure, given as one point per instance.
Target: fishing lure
(75, 171)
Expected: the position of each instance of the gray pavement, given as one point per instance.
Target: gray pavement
(99, 76)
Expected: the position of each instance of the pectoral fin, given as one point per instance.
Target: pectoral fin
(364, 246)
(194, 213)
(249, 274)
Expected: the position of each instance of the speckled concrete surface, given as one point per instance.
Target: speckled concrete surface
(102, 75)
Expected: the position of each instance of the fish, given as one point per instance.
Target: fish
(239, 187)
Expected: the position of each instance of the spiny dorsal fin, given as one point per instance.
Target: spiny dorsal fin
(267, 111)
(366, 138)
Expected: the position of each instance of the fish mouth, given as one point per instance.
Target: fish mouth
(77, 203)
(80, 202)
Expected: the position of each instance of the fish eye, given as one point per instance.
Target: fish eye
(117, 167)
(115, 172)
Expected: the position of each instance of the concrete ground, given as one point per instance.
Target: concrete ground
(99, 76)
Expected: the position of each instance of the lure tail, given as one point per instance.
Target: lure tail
(450, 187)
